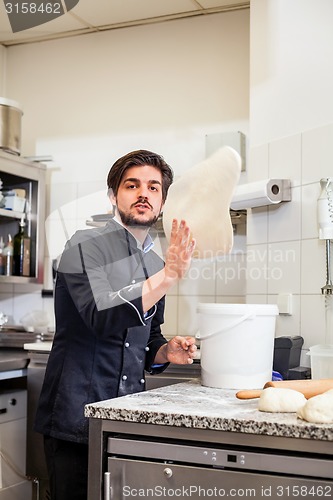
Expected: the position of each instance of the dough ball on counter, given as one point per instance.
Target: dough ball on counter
(318, 409)
(274, 399)
(202, 197)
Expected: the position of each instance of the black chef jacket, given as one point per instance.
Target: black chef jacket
(103, 341)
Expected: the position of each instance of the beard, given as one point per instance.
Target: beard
(131, 221)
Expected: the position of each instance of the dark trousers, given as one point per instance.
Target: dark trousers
(67, 465)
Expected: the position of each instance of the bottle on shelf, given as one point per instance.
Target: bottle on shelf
(8, 257)
(21, 252)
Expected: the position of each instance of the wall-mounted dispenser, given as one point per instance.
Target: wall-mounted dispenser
(321, 355)
(325, 222)
(261, 193)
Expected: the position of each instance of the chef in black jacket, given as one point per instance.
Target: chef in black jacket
(109, 305)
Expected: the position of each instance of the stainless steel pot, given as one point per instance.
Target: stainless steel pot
(10, 126)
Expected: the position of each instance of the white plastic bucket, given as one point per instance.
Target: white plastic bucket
(237, 344)
(321, 361)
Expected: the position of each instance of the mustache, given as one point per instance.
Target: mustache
(142, 201)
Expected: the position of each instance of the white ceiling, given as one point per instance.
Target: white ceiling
(99, 15)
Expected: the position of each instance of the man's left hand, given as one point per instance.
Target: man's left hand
(179, 350)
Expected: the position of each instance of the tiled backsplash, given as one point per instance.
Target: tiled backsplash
(290, 232)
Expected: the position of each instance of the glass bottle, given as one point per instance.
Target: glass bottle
(8, 257)
(21, 256)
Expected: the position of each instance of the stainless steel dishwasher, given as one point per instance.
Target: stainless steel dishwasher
(156, 460)
(150, 469)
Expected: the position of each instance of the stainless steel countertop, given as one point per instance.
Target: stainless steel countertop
(13, 359)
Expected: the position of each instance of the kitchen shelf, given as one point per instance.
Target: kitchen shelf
(18, 173)
(11, 214)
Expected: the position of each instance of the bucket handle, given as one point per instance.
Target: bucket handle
(226, 328)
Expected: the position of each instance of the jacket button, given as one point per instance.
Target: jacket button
(133, 281)
(142, 381)
(126, 344)
(124, 377)
(147, 348)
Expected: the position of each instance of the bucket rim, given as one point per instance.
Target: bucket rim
(321, 351)
(236, 309)
(11, 104)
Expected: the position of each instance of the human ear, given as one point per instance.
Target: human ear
(112, 197)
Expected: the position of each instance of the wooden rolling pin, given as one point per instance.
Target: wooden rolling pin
(309, 388)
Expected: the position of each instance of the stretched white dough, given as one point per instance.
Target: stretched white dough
(318, 409)
(202, 197)
(276, 399)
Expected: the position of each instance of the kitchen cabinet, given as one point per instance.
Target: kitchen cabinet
(190, 440)
(14, 483)
(18, 173)
(36, 465)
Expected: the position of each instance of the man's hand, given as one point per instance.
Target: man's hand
(179, 253)
(179, 350)
(177, 263)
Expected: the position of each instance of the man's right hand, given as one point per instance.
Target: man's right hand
(180, 251)
(177, 262)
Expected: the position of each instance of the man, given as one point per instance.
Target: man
(109, 305)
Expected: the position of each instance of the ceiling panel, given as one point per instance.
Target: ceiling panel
(118, 11)
(209, 4)
(90, 15)
(61, 24)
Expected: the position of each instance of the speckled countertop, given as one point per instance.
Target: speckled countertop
(189, 404)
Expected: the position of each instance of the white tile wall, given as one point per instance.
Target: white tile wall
(313, 266)
(200, 279)
(291, 231)
(310, 195)
(230, 275)
(289, 211)
(313, 319)
(257, 267)
(284, 268)
(170, 325)
(257, 225)
(288, 325)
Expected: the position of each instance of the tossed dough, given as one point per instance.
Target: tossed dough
(318, 409)
(274, 399)
(202, 197)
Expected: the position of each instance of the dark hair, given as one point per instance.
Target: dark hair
(137, 158)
